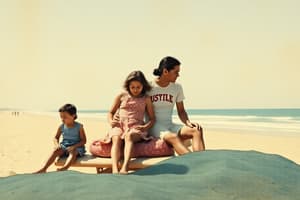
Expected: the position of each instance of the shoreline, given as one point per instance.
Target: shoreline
(261, 125)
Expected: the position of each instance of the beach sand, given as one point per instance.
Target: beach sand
(26, 141)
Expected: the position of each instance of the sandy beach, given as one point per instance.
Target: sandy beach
(26, 141)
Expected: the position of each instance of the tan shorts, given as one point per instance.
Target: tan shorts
(160, 130)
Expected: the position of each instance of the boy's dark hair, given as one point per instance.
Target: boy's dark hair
(167, 63)
(69, 108)
(140, 77)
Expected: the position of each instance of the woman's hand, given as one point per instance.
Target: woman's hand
(193, 125)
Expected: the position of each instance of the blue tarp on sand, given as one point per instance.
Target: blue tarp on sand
(202, 175)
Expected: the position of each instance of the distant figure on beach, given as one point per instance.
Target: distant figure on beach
(73, 139)
(165, 94)
(130, 107)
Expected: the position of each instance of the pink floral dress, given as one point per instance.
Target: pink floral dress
(131, 114)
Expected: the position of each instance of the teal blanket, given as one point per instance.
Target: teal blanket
(202, 175)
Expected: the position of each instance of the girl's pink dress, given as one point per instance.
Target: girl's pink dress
(131, 114)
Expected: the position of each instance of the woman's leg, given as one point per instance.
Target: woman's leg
(176, 142)
(51, 159)
(71, 159)
(115, 153)
(196, 135)
(130, 139)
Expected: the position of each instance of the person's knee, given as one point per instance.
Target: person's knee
(197, 133)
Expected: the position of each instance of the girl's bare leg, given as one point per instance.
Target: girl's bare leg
(50, 160)
(177, 144)
(115, 153)
(71, 159)
(130, 139)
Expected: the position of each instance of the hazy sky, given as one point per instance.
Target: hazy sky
(234, 54)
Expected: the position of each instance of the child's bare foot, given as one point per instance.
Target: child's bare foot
(124, 172)
(62, 169)
(115, 170)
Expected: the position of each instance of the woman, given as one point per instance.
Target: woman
(165, 94)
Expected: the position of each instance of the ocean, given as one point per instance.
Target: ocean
(261, 121)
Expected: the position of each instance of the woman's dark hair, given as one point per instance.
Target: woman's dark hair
(140, 77)
(69, 108)
(167, 63)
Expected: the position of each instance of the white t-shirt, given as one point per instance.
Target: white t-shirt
(164, 99)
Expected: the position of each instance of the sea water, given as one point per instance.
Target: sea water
(274, 121)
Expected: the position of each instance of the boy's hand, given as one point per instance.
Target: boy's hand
(70, 149)
(56, 146)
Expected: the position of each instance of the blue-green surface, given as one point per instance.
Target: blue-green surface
(205, 175)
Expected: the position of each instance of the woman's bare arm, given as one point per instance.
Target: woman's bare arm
(183, 116)
(182, 113)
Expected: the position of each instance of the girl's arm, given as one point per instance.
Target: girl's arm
(113, 110)
(56, 138)
(184, 117)
(150, 112)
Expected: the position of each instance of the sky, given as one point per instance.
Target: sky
(234, 54)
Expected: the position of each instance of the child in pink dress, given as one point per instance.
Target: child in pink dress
(129, 126)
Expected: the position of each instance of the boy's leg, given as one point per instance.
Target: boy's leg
(115, 153)
(51, 159)
(71, 159)
(196, 135)
(130, 139)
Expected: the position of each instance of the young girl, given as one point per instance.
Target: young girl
(73, 141)
(129, 125)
